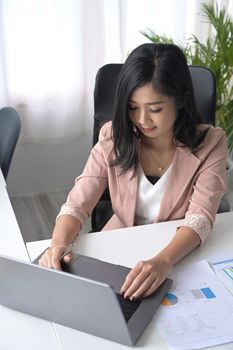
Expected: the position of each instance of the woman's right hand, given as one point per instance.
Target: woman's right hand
(65, 231)
(52, 257)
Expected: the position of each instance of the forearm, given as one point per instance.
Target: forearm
(65, 231)
(184, 241)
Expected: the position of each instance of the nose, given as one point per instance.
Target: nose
(143, 116)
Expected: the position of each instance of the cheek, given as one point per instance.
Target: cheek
(166, 121)
(171, 116)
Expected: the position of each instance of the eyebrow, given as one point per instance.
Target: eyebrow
(149, 103)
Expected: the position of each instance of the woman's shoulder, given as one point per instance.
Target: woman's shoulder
(104, 146)
(211, 130)
(215, 138)
(106, 131)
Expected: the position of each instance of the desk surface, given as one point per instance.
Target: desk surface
(144, 242)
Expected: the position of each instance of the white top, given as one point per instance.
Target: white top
(149, 197)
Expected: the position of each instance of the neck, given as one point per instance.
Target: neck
(156, 157)
(164, 145)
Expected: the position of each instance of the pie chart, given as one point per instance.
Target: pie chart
(170, 299)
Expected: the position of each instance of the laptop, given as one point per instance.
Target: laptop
(84, 296)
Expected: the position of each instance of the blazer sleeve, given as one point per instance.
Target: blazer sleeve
(209, 187)
(90, 185)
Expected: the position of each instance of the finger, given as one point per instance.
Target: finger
(46, 261)
(145, 292)
(56, 265)
(144, 269)
(56, 259)
(43, 261)
(152, 288)
(40, 263)
(140, 286)
(131, 277)
(50, 258)
(68, 258)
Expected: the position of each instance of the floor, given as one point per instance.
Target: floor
(36, 214)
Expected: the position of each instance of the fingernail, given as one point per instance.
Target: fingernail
(132, 298)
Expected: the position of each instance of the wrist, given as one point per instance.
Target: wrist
(63, 238)
(164, 259)
(58, 243)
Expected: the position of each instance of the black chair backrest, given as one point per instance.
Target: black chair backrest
(204, 85)
(10, 126)
(106, 80)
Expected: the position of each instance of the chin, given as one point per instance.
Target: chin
(151, 133)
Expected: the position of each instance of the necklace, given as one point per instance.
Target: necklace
(159, 167)
(150, 163)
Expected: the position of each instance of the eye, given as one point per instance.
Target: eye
(151, 110)
(131, 108)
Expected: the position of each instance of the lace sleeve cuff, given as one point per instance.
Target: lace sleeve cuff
(199, 223)
(73, 211)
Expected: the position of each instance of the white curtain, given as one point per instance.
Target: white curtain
(50, 51)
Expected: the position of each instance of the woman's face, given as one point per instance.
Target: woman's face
(152, 112)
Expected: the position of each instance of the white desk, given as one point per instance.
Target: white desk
(126, 247)
(19, 331)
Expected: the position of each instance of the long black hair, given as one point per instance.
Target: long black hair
(165, 66)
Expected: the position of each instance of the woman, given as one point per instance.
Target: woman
(158, 160)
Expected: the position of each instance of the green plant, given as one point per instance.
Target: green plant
(217, 54)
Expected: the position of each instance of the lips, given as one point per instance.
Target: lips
(147, 130)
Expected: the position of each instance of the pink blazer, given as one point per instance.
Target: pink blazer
(195, 185)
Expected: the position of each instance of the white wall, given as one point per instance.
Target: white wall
(40, 168)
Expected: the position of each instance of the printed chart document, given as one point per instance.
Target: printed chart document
(198, 310)
(223, 267)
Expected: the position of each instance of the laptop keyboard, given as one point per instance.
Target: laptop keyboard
(128, 307)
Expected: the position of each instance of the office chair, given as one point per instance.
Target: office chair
(105, 85)
(10, 126)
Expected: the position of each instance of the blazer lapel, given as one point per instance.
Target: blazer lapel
(128, 185)
(184, 166)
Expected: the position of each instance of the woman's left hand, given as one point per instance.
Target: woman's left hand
(145, 278)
